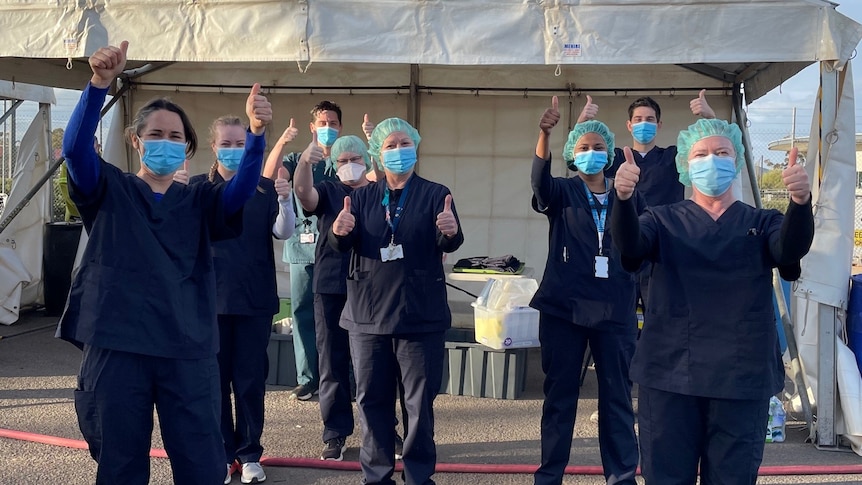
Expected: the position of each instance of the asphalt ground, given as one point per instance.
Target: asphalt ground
(37, 379)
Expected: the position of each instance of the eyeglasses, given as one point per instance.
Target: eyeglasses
(350, 160)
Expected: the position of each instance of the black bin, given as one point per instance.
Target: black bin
(58, 257)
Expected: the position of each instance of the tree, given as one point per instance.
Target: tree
(772, 180)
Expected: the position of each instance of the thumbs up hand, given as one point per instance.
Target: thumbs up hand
(107, 63)
(182, 175)
(282, 184)
(589, 112)
(289, 134)
(627, 176)
(313, 153)
(796, 179)
(550, 117)
(345, 222)
(367, 127)
(258, 109)
(699, 106)
(446, 222)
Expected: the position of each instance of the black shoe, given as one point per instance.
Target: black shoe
(303, 392)
(334, 449)
(399, 447)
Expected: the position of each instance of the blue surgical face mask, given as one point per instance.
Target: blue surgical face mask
(163, 157)
(399, 160)
(230, 157)
(326, 136)
(644, 132)
(712, 175)
(591, 162)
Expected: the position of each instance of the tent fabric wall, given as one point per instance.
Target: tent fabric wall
(24, 233)
(727, 39)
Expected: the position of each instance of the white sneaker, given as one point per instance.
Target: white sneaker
(252, 472)
(227, 477)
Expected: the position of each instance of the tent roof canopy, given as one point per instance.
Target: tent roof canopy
(511, 44)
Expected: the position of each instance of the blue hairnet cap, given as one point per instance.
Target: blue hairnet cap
(349, 143)
(581, 129)
(386, 128)
(705, 128)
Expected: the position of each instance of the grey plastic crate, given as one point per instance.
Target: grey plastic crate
(476, 370)
(282, 360)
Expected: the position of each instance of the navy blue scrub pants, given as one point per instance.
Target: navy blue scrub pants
(243, 365)
(333, 350)
(114, 401)
(376, 360)
(563, 348)
(677, 432)
(304, 341)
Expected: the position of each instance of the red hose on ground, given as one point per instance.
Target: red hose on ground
(441, 467)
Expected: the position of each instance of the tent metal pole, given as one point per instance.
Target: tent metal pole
(11, 110)
(27, 197)
(413, 106)
(827, 351)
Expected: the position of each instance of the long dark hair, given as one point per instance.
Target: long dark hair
(166, 104)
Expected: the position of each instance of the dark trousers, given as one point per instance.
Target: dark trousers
(677, 432)
(243, 365)
(114, 402)
(563, 347)
(333, 350)
(376, 361)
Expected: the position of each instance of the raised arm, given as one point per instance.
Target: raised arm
(82, 161)
(285, 221)
(450, 236)
(797, 229)
(276, 155)
(699, 106)
(239, 189)
(625, 225)
(540, 175)
(303, 177)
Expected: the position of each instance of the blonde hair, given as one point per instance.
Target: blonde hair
(226, 120)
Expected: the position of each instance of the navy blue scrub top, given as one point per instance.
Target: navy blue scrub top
(147, 283)
(569, 289)
(296, 251)
(330, 268)
(659, 179)
(710, 327)
(245, 266)
(406, 295)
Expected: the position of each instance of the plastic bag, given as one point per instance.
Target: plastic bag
(507, 294)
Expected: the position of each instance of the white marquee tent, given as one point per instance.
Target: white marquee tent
(474, 76)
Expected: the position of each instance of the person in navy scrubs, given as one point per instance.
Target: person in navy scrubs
(659, 182)
(585, 297)
(299, 249)
(325, 200)
(708, 360)
(246, 299)
(397, 310)
(143, 304)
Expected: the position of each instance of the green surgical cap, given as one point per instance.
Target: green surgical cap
(349, 143)
(581, 129)
(705, 128)
(386, 128)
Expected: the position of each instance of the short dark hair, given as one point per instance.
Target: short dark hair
(648, 102)
(164, 104)
(325, 106)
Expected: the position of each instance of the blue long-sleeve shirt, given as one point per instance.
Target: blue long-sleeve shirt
(83, 163)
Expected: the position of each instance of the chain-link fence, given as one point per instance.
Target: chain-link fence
(12, 130)
(773, 132)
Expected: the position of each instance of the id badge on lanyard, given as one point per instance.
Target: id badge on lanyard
(601, 262)
(307, 236)
(393, 251)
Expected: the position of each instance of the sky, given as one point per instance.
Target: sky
(771, 115)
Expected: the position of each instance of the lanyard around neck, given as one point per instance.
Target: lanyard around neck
(599, 211)
(394, 221)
